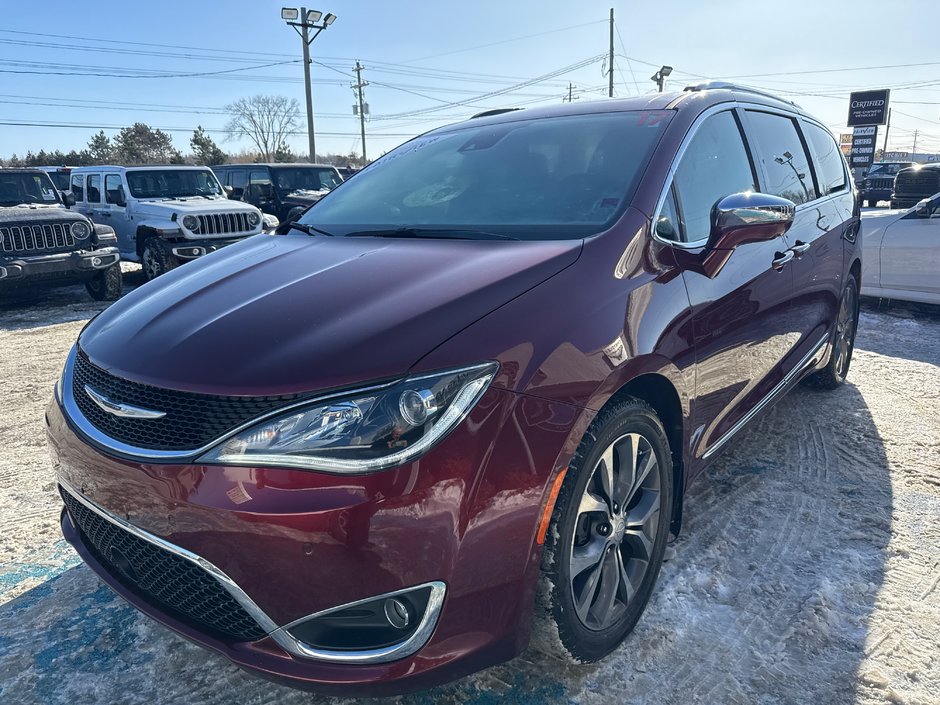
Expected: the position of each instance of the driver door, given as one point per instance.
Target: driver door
(910, 251)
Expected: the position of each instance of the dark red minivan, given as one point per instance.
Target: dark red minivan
(459, 403)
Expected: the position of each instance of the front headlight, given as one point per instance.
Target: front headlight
(361, 432)
(79, 230)
(191, 223)
(253, 219)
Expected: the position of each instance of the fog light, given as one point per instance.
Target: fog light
(397, 613)
(96, 261)
(377, 623)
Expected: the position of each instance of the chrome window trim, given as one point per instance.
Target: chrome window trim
(780, 386)
(86, 428)
(286, 641)
(389, 653)
(693, 130)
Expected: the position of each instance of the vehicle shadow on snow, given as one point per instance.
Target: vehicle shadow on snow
(777, 570)
(901, 329)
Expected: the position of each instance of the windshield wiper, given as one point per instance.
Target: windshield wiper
(309, 229)
(440, 233)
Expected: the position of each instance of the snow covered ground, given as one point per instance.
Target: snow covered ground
(808, 570)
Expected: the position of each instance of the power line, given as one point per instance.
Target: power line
(112, 74)
(19, 123)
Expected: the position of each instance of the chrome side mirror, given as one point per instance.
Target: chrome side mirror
(749, 217)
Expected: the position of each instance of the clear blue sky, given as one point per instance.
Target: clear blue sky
(428, 54)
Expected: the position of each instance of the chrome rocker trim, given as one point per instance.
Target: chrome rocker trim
(807, 361)
(290, 644)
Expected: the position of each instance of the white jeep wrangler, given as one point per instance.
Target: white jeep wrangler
(163, 215)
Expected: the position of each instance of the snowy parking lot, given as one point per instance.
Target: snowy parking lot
(808, 570)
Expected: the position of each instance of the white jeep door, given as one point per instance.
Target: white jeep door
(115, 205)
(910, 251)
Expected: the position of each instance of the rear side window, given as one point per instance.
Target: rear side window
(78, 188)
(94, 188)
(715, 165)
(238, 179)
(829, 170)
(778, 146)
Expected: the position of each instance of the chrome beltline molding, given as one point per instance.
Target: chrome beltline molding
(280, 635)
(781, 385)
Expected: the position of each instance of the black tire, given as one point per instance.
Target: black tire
(843, 341)
(564, 627)
(156, 258)
(107, 284)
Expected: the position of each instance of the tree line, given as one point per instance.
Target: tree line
(265, 121)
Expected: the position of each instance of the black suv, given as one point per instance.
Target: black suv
(915, 184)
(878, 184)
(42, 242)
(283, 190)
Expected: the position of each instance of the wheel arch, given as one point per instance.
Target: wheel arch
(664, 393)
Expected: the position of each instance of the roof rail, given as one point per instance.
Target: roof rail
(495, 111)
(727, 85)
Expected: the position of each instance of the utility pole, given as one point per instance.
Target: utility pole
(887, 128)
(360, 84)
(914, 148)
(302, 24)
(610, 66)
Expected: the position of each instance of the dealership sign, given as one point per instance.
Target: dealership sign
(899, 156)
(863, 146)
(868, 108)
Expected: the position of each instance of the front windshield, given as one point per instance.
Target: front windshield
(172, 183)
(303, 178)
(26, 187)
(563, 177)
(886, 169)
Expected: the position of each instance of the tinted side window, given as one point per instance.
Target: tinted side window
(778, 146)
(715, 165)
(238, 179)
(78, 187)
(828, 159)
(94, 188)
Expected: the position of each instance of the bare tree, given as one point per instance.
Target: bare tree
(266, 120)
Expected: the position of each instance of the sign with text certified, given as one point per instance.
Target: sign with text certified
(863, 146)
(868, 107)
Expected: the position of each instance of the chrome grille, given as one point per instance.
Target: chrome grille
(224, 224)
(881, 183)
(30, 238)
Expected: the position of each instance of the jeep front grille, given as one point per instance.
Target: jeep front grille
(881, 184)
(224, 224)
(33, 238)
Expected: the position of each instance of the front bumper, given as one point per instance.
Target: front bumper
(195, 248)
(874, 194)
(298, 543)
(82, 262)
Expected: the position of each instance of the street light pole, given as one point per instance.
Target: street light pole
(302, 22)
(311, 138)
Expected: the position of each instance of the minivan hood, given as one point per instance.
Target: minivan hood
(292, 313)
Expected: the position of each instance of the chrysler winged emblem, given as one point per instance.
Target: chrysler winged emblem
(119, 409)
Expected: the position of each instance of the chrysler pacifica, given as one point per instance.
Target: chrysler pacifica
(457, 405)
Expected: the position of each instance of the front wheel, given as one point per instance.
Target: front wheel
(607, 537)
(107, 284)
(843, 342)
(156, 258)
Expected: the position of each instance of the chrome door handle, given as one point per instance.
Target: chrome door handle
(800, 248)
(781, 259)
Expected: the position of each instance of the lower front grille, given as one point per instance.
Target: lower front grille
(162, 578)
(47, 237)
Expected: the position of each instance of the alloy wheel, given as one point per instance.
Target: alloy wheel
(618, 520)
(845, 331)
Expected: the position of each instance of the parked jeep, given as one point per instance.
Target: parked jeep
(42, 242)
(283, 190)
(163, 215)
(878, 183)
(913, 185)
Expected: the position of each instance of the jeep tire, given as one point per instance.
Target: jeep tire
(107, 284)
(156, 258)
